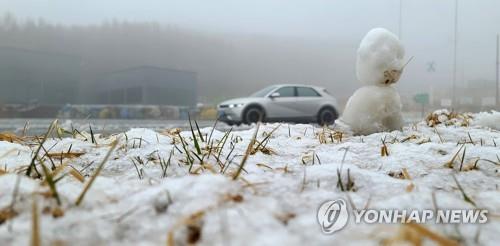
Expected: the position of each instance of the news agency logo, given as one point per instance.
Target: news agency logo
(333, 216)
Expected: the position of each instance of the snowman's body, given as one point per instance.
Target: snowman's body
(376, 107)
(373, 109)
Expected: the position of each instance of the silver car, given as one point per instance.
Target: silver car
(286, 102)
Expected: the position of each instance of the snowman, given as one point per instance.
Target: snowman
(376, 107)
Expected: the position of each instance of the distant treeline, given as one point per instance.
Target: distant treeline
(227, 64)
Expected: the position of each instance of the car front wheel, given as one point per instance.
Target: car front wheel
(253, 115)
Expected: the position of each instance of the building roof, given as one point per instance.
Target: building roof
(146, 67)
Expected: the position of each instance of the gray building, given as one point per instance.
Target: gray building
(29, 76)
(148, 85)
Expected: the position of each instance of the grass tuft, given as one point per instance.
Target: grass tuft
(196, 144)
(450, 163)
(96, 173)
(32, 165)
(247, 152)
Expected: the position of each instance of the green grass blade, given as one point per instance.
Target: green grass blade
(196, 145)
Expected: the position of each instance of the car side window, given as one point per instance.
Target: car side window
(307, 92)
(287, 91)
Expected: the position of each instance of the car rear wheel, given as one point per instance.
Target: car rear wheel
(252, 115)
(327, 116)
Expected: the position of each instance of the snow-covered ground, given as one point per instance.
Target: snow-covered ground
(141, 197)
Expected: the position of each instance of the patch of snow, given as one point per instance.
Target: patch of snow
(12, 155)
(485, 119)
(273, 202)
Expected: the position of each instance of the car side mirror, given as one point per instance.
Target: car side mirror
(274, 95)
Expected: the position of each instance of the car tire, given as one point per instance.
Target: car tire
(327, 116)
(253, 114)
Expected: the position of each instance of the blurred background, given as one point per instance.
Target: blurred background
(159, 59)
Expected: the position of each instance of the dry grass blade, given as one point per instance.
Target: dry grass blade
(462, 160)
(212, 131)
(73, 172)
(9, 137)
(261, 165)
(339, 181)
(406, 174)
(349, 185)
(92, 135)
(440, 240)
(25, 128)
(409, 138)
(51, 182)
(76, 174)
(223, 141)
(383, 150)
(470, 139)
(7, 214)
(439, 135)
(247, 152)
(193, 225)
(35, 224)
(189, 159)
(62, 155)
(450, 163)
(35, 156)
(466, 198)
(97, 171)
(267, 137)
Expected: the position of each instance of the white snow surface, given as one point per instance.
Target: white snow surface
(491, 119)
(276, 197)
(373, 109)
(379, 51)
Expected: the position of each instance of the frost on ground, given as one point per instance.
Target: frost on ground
(161, 188)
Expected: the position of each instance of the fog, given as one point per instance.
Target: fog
(237, 47)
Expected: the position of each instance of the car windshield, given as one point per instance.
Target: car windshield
(263, 92)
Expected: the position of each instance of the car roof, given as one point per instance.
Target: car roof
(313, 86)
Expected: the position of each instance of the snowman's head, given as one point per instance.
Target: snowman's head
(380, 58)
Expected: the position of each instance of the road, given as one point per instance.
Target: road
(39, 126)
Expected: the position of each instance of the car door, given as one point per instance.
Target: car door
(282, 106)
(308, 101)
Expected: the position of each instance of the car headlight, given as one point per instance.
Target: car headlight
(236, 105)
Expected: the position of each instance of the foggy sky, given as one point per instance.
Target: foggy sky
(427, 25)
